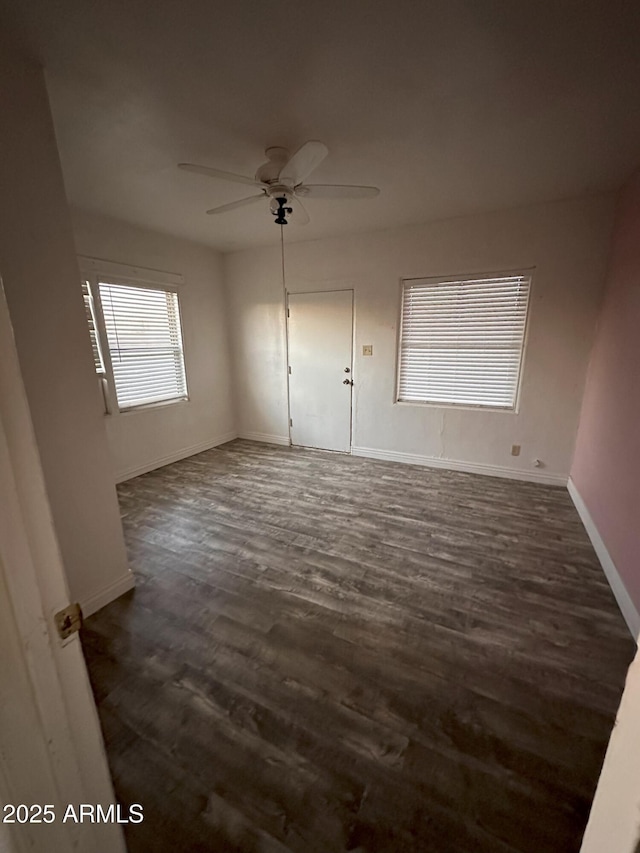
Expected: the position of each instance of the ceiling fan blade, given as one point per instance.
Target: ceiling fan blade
(300, 215)
(235, 204)
(218, 173)
(303, 162)
(337, 191)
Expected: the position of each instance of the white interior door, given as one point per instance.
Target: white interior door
(320, 367)
(51, 750)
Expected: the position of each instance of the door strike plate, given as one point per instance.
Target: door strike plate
(68, 621)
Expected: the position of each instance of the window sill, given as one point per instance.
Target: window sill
(148, 407)
(469, 407)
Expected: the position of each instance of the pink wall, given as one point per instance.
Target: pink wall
(606, 464)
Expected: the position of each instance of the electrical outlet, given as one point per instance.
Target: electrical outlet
(367, 349)
(515, 450)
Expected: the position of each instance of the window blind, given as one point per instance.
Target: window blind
(145, 344)
(91, 321)
(461, 340)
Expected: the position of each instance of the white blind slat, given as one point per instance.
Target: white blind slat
(91, 322)
(145, 344)
(461, 341)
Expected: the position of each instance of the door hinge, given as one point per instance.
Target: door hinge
(289, 370)
(288, 313)
(68, 621)
(290, 422)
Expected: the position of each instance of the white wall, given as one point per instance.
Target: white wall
(147, 438)
(39, 269)
(614, 822)
(566, 242)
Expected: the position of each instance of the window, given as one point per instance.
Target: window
(136, 336)
(462, 339)
(145, 344)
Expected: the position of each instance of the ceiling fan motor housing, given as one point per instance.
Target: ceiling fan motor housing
(269, 172)
(280, 191)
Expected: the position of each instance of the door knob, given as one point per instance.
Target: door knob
(347, 370)
(347, 382)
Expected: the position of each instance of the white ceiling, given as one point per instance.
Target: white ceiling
(449, 106)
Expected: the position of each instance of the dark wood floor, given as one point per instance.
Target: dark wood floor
(327, 653)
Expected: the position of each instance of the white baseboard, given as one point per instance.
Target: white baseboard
(625, 603)
(266, 437)
(108, 594)
(536, 476)
(183, 453)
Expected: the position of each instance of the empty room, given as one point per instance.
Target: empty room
(319, 446)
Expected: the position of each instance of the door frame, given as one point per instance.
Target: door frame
(62, 758)
(353, 357)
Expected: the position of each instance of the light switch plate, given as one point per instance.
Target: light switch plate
(367, 349)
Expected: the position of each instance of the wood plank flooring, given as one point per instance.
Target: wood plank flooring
(326, 653)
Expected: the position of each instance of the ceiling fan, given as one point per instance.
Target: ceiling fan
(281, 179)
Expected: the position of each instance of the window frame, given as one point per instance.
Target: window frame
(476, 407)
(101, 373)
(96, 272)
